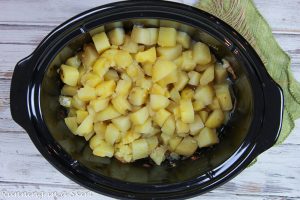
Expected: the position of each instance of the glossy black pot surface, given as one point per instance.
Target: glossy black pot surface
(253, 127)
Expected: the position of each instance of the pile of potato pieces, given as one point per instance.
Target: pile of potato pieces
(150, 92)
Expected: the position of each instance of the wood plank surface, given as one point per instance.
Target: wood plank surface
(23, 171)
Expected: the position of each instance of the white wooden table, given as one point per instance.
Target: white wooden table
(25, 174)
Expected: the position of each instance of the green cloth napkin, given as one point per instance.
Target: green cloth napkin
(244, 17)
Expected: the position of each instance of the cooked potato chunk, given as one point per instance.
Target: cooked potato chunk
(166, 37)
(201, 53)
(74, 61)
(207, 137)
(108, 113)
(188, 63)
(224, 97)
(205, 94)
(207, 76)
(78, 103)
(138, 96)
(145, 129)
(71, 123)
(86, 126)
(87, 93)
(106, 88)
(122, 123)
(69, 90)
(89, 56)
(196, 126)
(158, 154)
(187, 93)
(174, 95)
(215, 119)
(170, 78)
(161, 69)
(182, 128)
(121, 104)
(194, 78)
(187, 146)
(169, 53)
(140, 116)
(111, 75)
(220, 73)
(112, 134)
(184, 39)
(100, 129)
(101, 67)
(139, 149)
(117, 36)
(186, 111)
(158, 101)
(174, 142)
(146, 56)
(161, 116)
(101, 42)
(90, 79)
(152, 143)
(169, 126)
(69, 75)
(123, 59)
(203, 115)
(95, 141)
(123, 87)
(104, 150)
(81, 115)
(183, 79)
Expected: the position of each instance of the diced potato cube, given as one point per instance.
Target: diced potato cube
(101, 42)
(187, 93)
(198, 105)
(161, 69)
(178, 61)
(207, 76)
(90, 79)
(203, 115)
(71, 124)
(140, 116)
(207, 137)
(99, 104)
(166, 37)
(74, 61)
(122, 123)
(123, 87)
(111, 75)
(87, 137)
(184, 39)
(139, 149)
(158, 90)
(158, 154)
(106, 88)
(107, 114)
(165, 138)
(176, 112)
(169, 126)
(158, 101)
(100, 129)
(90, 110)
(141, 35)
(174, 142)
(86, 126)
(95, 141)
(110, 55)
(196, 126)
(201, 53)
(215, 119)
(89, 56)
(81, 115)
(104, 150)
(161, 116)
(194, 78)
(169, 53)
(65, 101)
(134, 71)
(215, 104)
(187, 146)
(101, 67)
(152, 143)
(188, 64)
(117, 36)
(204, 94)
(123, 153)
(220, 73)
(174, 95)
(138, 96)
(86, 93)
(186, 111)
(182, 128)
(170, 78)
(146, 56)
(69, 90)
(129, 45)
(147, 67)
(145, 83)
(153, 36)
(121, 104)
(130, 136)
(146, 129)
(224, 97)
(183, 79)
(112, 134)
(78, 103)
(69, 75)
(202, 68)
(123, 59)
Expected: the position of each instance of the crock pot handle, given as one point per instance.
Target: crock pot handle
(273, 114)
(19, 93)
